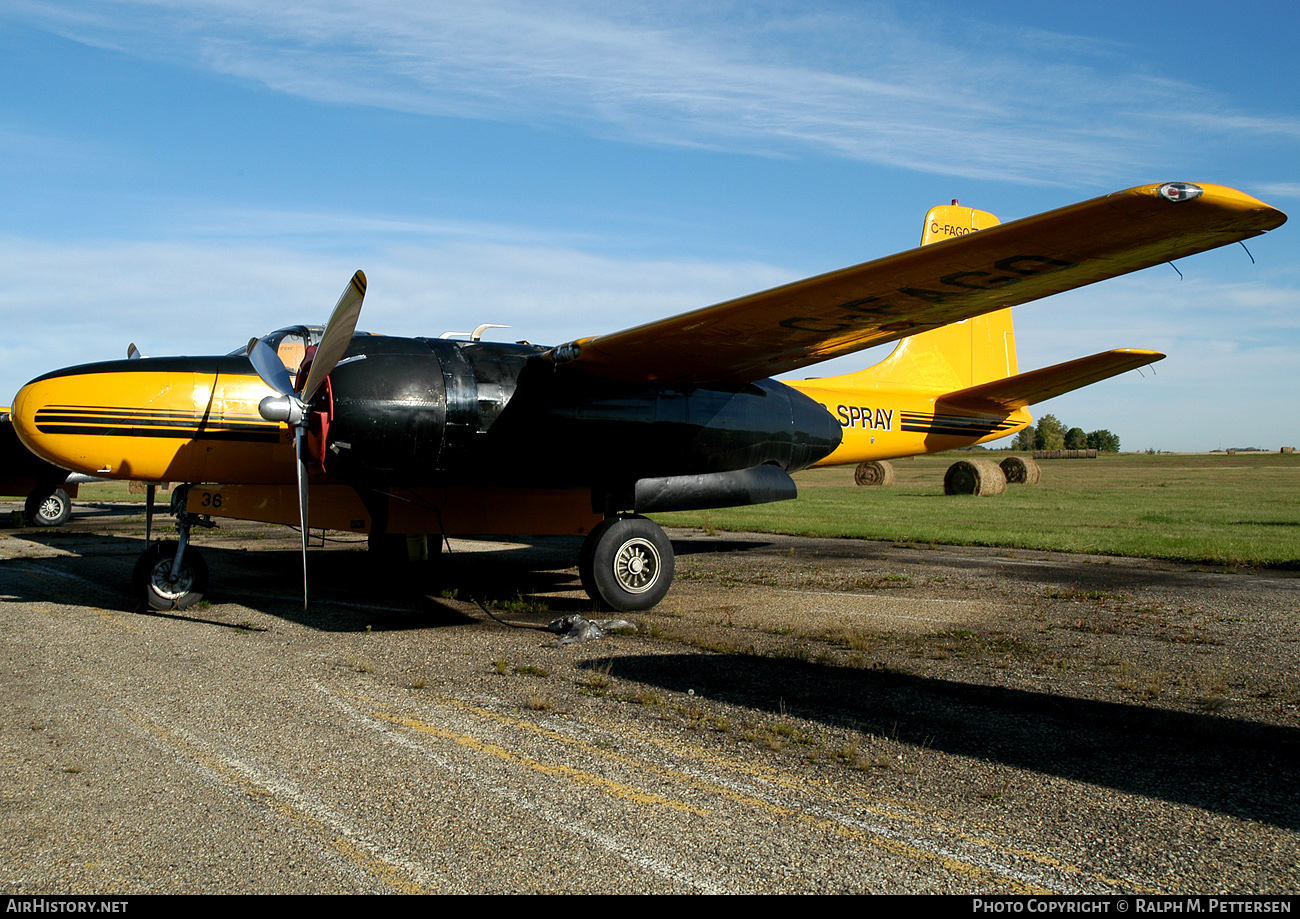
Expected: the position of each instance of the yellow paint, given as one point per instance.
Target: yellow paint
(828, 825)
(951, 381)
(609, 786)
(190, 420)
(881, 301)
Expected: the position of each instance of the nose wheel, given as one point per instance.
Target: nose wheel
(161, 584)
(171, 575)
(626, 564)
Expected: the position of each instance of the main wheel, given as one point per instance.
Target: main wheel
(152, 582)
(626, 564)
(48, 507)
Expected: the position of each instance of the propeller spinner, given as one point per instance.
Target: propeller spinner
(291, 406)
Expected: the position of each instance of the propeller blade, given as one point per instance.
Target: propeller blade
(299, 436)
(291, 407)
(132, 352)
(269, 367)
(338, 334)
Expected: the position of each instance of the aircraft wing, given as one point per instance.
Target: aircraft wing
(1011, 393)
(792, 326)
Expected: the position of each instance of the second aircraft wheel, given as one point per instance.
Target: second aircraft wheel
(50, 508)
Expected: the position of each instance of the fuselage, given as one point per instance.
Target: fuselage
(416, 412)
(885, 422)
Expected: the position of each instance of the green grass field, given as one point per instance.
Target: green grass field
(1214, 508)
(1234, 510)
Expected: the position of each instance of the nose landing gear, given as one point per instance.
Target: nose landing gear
(172, 575)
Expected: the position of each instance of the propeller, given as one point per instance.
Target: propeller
(292, 406)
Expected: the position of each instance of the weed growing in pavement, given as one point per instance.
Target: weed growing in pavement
(597, 681)
(520, 604)
(639, 697)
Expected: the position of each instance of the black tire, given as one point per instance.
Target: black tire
(150, 583)
(48, 507)
(627, 564)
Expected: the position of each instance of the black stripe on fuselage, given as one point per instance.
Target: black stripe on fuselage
(951, 425)
(249, 434)
(128, 420)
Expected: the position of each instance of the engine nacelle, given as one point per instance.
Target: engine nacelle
(412, 409)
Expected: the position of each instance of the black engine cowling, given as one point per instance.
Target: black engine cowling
(426, 411)
(412, 409)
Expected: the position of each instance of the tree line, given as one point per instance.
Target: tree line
(1051, 434)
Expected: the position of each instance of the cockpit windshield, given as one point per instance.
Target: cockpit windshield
(290, 344)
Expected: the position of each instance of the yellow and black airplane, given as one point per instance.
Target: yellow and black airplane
(402, 437)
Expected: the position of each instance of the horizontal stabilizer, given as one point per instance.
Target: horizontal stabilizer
(1024, 389)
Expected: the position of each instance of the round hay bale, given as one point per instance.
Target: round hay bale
(1020, 470)
(874, 472)
(974, 477)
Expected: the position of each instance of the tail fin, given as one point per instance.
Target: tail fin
(951, 357)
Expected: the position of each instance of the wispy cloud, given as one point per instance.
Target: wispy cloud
(208, 298)
(1280, 190)
(856, 81)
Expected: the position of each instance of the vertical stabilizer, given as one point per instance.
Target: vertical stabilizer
(951, 357)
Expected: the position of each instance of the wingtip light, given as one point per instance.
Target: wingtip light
(1179, 191)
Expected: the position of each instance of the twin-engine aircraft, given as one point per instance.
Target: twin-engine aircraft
(404, 438)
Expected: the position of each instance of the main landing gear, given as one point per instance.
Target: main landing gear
(626, 564)
(171, 575)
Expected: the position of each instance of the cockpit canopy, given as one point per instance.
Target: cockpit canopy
(290, 344)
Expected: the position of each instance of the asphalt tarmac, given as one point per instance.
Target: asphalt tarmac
(800, 715)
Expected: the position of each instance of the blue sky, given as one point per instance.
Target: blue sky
(188, 175)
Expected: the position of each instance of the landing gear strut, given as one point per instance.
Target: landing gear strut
(626, 564)
(172, 575)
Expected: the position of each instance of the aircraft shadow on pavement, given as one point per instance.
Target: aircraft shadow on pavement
(1244, 769)
(348, 590)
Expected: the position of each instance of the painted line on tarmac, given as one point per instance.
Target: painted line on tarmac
(910, 843)
(359, 853)
(991, 861)
(394, 728)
